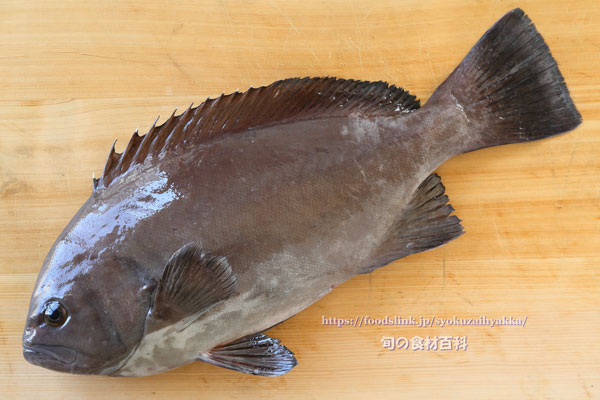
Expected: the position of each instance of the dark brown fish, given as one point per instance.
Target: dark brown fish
(237, 214)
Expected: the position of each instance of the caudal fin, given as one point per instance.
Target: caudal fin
(510, 83)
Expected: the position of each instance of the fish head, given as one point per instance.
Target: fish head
(88, 309)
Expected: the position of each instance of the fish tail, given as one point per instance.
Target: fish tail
(509, 87)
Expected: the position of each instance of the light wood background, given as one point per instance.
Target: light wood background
(75, 75)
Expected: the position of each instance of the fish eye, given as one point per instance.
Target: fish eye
(55, 313)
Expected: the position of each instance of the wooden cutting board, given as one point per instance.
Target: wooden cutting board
(74, 76)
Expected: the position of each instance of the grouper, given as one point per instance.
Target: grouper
(235, 215)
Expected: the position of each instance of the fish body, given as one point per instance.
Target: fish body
(237, 214)
(298, 250)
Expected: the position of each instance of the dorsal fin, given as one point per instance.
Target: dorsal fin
(281, 101)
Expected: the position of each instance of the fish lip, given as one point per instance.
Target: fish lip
(60, 354)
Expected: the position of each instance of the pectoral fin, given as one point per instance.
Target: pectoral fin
(255, 354)
(192, 282)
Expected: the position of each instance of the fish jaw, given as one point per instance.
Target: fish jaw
(60, 359)
(57, 358)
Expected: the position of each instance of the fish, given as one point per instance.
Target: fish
(237, 214)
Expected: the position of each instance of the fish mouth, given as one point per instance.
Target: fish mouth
(49, 356)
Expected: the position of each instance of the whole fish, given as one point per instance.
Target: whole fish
(239, 213)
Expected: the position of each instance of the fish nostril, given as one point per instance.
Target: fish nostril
(27, 341)
(28, 336)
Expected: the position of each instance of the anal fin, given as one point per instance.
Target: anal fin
(256, 354)
(425, 223)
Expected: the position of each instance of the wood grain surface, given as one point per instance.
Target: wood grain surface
(76, 75)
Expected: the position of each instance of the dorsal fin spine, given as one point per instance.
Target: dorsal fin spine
(142, 149)
(128, 153)
(147, 140)
(109, 161)
(219, 106)
(176, 133)
(202, 110)
(159, 141)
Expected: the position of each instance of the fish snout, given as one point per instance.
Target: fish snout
(47, 355)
